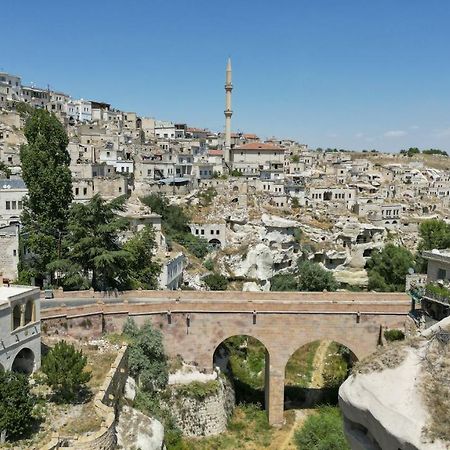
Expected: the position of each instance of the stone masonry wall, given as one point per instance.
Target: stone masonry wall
(205, 417)
(105, 406)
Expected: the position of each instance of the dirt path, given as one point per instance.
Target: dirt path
(316, 382)
(318, 365)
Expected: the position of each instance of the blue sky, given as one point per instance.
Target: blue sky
(332, 73)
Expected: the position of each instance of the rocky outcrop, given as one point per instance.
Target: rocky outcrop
(138, 431)
(203, 416)
(388, 407)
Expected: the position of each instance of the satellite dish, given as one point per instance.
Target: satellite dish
(410, 270)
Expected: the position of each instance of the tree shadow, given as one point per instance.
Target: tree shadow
(296, 397)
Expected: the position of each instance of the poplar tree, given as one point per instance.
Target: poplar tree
(45, 170)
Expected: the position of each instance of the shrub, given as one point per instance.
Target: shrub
(209, 264)
(283, 282)
(147, 361)
(394, 335)
(16, 404)
(322, 431)
(198, 390)
(64, 367)
(216, 282)
(387, 269)
(314, 278)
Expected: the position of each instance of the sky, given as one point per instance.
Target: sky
(353, 74)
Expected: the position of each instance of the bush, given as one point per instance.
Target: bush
(198, 390)
(283, 282)
(64, 367)
(322, 431)
(216, 282)
(209, 264)
(312, 277)
(394, 335)
(147, 360)
(16, 405)
(387, 269)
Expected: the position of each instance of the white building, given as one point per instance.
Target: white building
(214, 233)
(12, 193)
(164, 129)
(83, 110)
(20, 329)
(11, 86)
(171, 275)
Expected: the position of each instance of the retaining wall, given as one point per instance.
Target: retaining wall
(105, 403)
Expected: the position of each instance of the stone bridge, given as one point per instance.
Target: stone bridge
(195, 323)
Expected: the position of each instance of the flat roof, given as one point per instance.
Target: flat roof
(7, 292)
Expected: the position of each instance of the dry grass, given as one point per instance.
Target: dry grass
(85, 421)
(436, 390)
(388, 357)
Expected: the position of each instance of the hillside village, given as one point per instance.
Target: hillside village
(260, 204)
(169, 207)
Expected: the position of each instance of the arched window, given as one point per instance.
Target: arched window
(29, 312)
(16, 317)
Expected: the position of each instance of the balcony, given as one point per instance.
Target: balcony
(437, 293)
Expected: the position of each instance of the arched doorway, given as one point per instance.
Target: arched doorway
(245, 361)
(23, 362)
(215, 243)
(314, 373)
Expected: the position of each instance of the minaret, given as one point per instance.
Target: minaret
(228, 112)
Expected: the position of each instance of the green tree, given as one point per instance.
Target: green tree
(4, 170)
(147, 360)
(16, 405)
(175, 224)
(92, 242)
(45, 170)
(433, 233)
(284, 282)
(322, 431)
(312, 277)
(216, 282)
(387, 269)
(143, 271)
(64, 367)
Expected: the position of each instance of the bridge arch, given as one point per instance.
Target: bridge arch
(250, 348)
(314, 372)
(23, 361)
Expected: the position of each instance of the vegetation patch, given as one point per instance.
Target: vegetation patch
(322, 431)
(198, 390)
(436, 388)
(388, 357)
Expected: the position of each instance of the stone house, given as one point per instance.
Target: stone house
(12, 193)
(251, 158)
(438, 271)
(9, 251)
(214, 233)
(20, 329)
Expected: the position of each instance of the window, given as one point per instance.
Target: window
(120, 189)
(441, 274)
(19, 204)
(202, 231)
(77, 191)
(84, 191)
(14, 252)
(14, 204)
(8, 205)
(212, 231)
(196, 231)
(217, 231)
